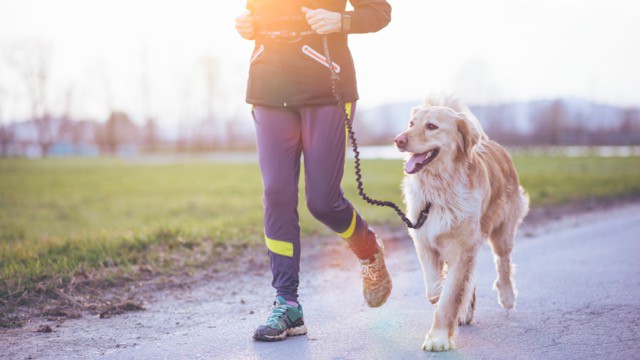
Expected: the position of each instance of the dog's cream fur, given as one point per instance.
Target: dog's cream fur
(475, 195)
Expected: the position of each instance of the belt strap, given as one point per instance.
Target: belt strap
(285, 35)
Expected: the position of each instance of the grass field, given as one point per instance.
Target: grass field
(60, 217)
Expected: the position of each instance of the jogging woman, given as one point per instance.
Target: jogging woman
(295, 113)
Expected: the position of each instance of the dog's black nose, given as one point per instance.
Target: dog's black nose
(401, 141)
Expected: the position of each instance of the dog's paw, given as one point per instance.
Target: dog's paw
(507, 301)
(437, 341)
(466, 317)
(506, 295)
(467, 312)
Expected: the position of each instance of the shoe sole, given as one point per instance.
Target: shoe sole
(381, 301)
(300, 330)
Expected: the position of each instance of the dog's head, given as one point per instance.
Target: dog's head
(437, 135)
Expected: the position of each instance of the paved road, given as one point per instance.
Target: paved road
(579, 298)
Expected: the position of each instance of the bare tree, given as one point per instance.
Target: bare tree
(7, 137)
(630, 120)
(557, 123)
(150, 135)
(118, 130)
(32, 60)
(549, 120)
(7, 134)
(150, 128)
(210, 67)
(185, 115)
(630, 126)
(65, 126)
(77, 134)
(198, 121)
(145, 91)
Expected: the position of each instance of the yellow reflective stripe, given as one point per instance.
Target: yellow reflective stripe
(346, 144)
(347, 110)
(279, 247)
(347, 233)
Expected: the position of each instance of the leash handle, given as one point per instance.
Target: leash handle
(352, 138)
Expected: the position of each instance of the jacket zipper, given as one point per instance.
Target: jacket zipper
(284, 100)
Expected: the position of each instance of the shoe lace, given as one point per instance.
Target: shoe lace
(277, 314)
(368, 271)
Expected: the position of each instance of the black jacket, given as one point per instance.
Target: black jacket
(292, 73)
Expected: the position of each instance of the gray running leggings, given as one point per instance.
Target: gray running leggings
(284, 134)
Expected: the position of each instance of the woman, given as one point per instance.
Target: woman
(295, 113)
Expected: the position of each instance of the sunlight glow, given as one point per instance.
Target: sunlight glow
(152, 58)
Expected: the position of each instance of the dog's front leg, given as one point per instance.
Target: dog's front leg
(431, 270)
(445, 318)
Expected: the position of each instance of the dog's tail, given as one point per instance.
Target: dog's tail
(454, 102)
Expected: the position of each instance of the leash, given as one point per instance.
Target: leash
(352, 138)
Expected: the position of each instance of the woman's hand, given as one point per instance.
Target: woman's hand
(323, 21)
(244, 25)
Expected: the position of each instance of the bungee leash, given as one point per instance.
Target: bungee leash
(352, 138)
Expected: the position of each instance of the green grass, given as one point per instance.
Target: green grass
(58, 217)
(559, 180)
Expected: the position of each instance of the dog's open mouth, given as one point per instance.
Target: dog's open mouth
(418, 161)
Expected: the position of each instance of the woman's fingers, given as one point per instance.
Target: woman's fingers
(244, 25)
(313, 16)
(323, 21)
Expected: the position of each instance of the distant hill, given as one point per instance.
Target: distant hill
(539, 122)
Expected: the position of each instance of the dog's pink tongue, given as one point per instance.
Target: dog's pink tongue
(415, 163)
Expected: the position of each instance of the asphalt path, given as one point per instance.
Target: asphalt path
(579, 298)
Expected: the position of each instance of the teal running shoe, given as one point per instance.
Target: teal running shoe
(284, 320)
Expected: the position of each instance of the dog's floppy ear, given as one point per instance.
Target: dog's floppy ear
(468, 133)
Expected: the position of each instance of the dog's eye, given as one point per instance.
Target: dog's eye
(431, 126)
(410, 124)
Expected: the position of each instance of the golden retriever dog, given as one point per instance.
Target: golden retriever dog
(475, 195)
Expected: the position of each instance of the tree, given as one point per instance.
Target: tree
(7, 136)
(6, 132)
(150, 135)
(80, 133)
(630, 126)
(32, 59)
(549, 122)
(556, 125)
(65, 125)
(44, 127)
(210, 68)
(150, 128)
(118, 130)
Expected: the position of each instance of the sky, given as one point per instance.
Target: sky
(104, 55)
